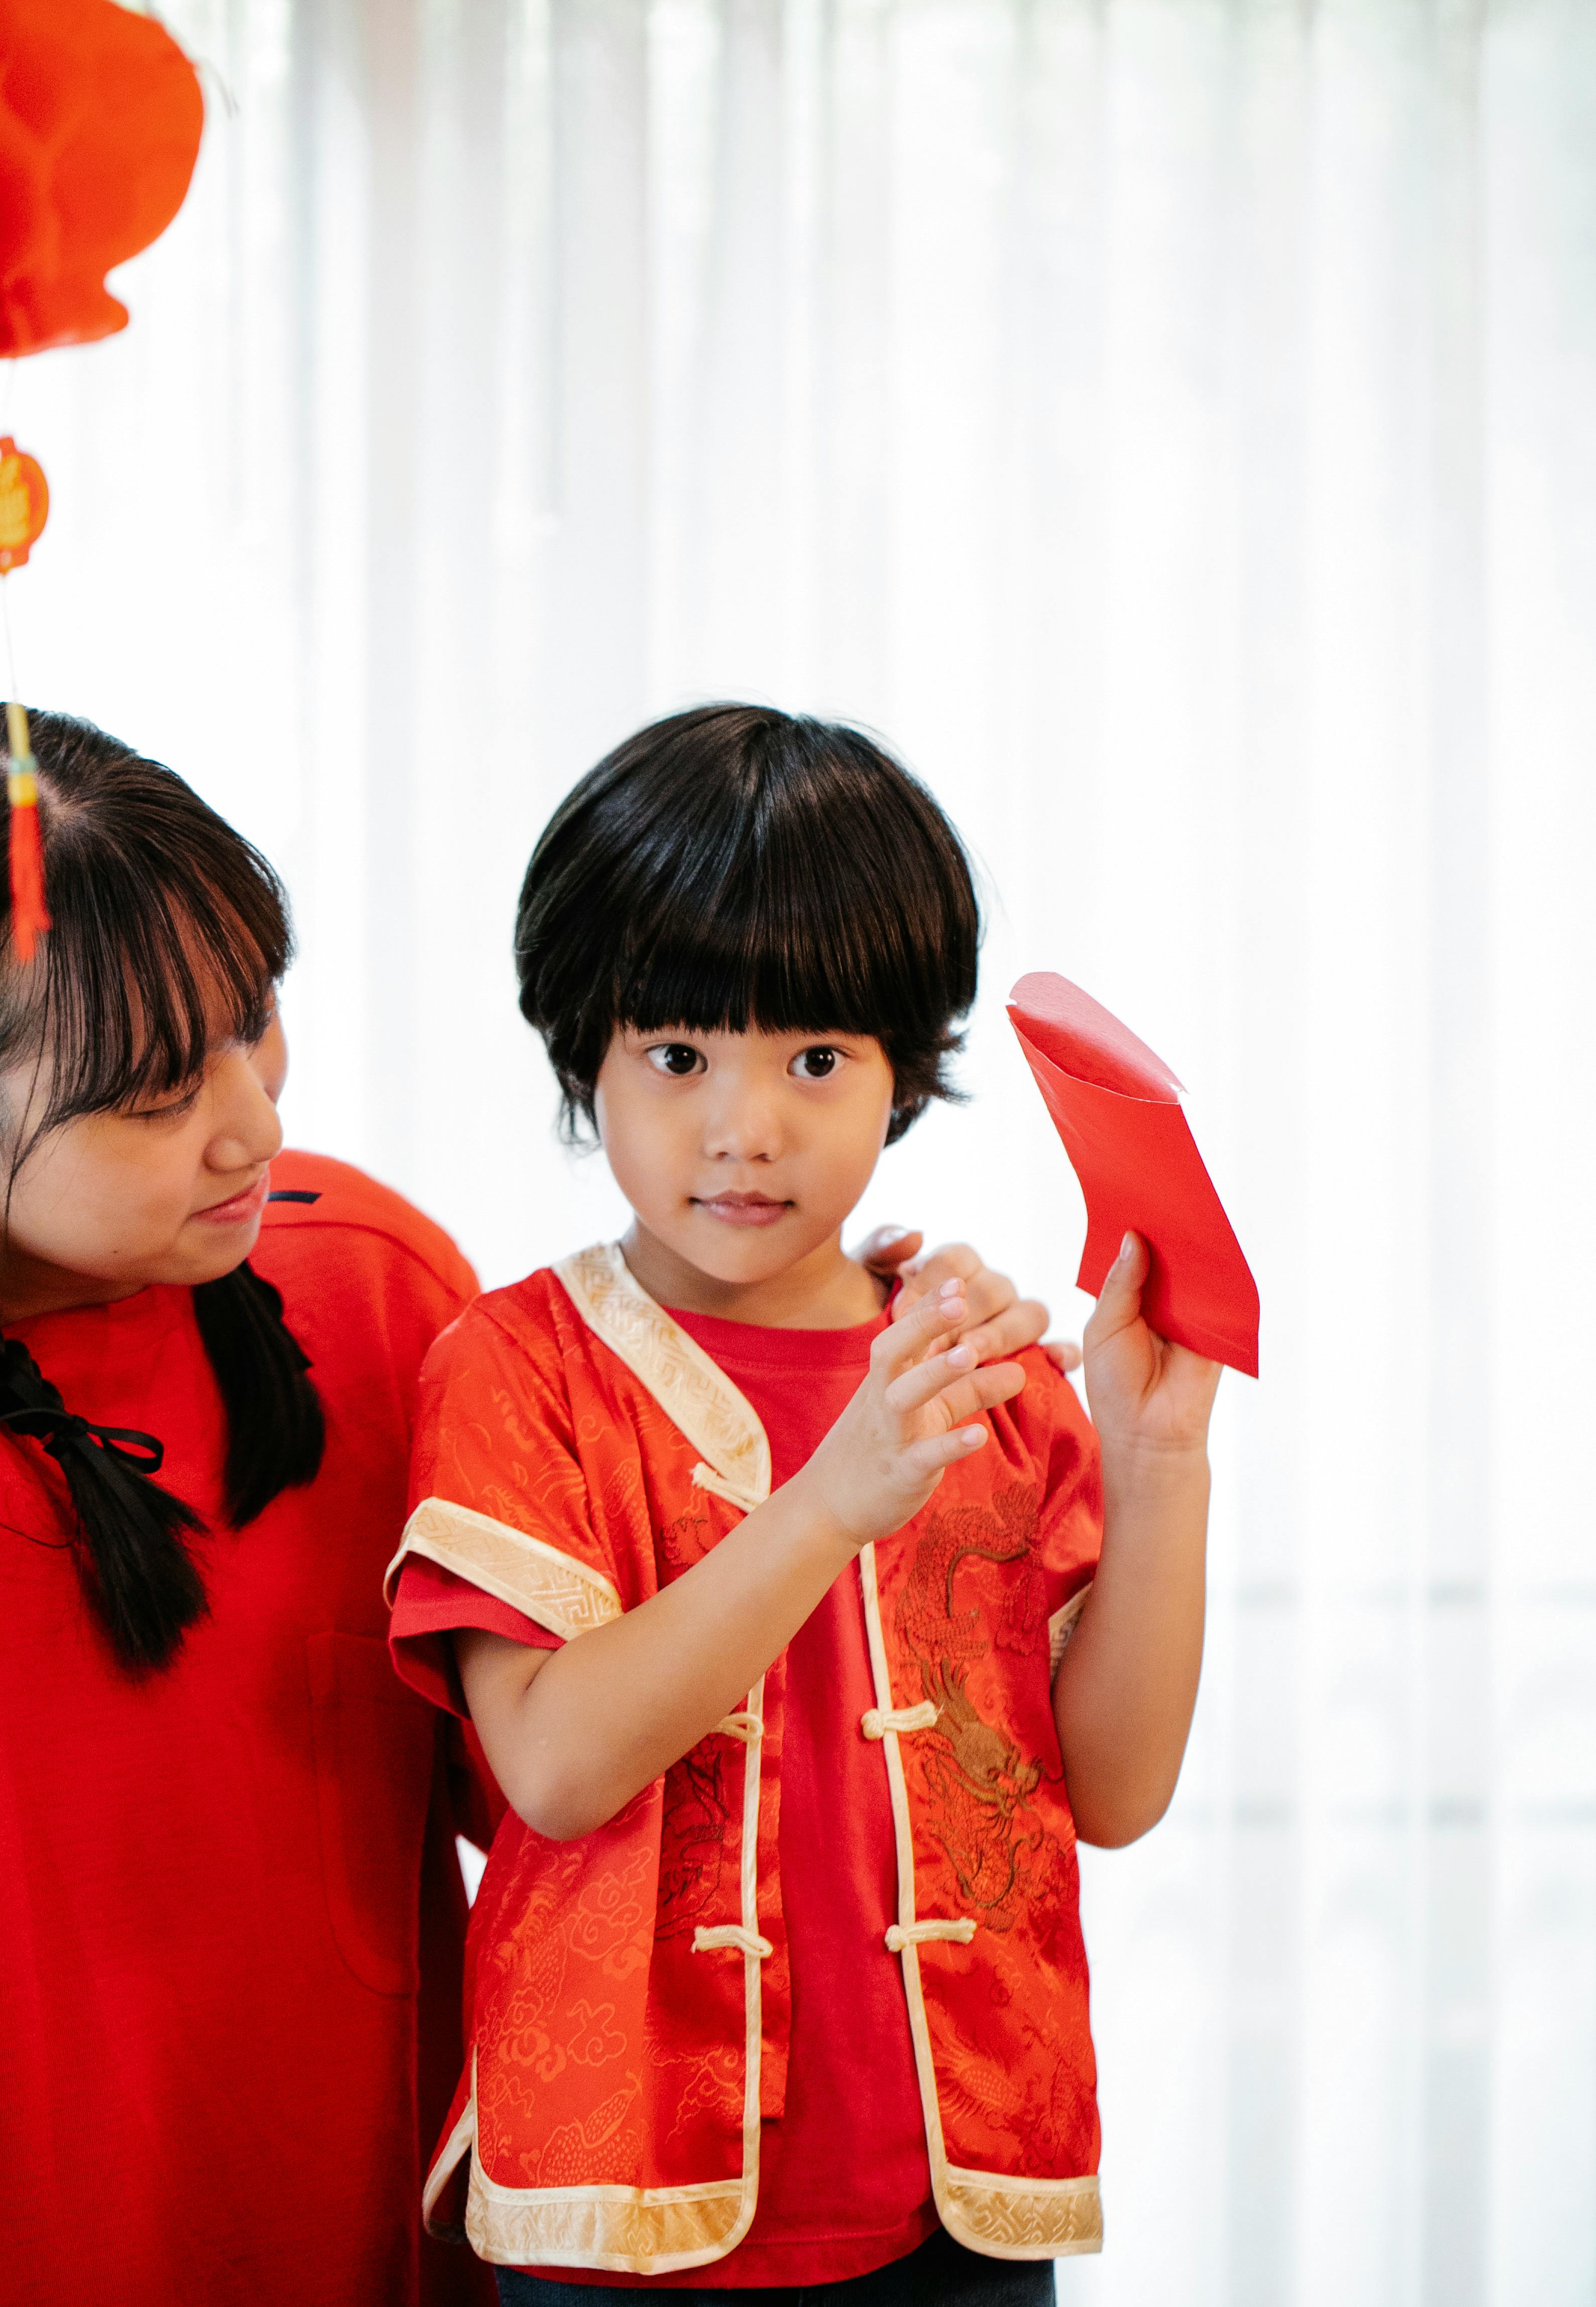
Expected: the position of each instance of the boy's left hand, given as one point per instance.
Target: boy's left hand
(1146, 1395)
(999, 1323)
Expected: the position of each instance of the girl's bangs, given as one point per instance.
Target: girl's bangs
(137, 995)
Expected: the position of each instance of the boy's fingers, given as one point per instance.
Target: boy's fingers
(934, 1454)
(984, 1389)
(963, 1390)
(1063, 1353)
(955, 1262)
(922, 1381)
(1010, 1332)
(989, 1293)
(932, 1316)
(1119, 1300)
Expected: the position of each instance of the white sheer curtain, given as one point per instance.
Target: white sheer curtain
(1173, 423)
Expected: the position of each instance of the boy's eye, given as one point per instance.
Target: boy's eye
(677, 1059)
(815, 1065)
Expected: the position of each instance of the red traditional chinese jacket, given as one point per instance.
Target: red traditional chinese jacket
(627, 1994)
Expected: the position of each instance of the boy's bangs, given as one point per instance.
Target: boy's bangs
(766, 954)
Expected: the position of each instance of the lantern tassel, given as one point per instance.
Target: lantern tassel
(29, 915)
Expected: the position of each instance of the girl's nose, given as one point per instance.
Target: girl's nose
(248, 1130)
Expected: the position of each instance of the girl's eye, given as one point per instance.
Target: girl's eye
(172, 1112)
(677, 1059)
(815, 1065)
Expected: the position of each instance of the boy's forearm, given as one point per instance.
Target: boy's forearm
(1128, 1682)
(595, 1722)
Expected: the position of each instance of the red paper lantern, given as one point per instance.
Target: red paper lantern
(100, 113)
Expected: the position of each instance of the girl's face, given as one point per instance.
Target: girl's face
(173, 1191)
(742, 1153)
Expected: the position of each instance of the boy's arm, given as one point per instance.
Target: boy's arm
(1128, 1682)
(573, 1734)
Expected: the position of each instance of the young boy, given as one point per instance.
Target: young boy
(776, 1975)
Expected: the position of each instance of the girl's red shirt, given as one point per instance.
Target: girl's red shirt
(230, 1903)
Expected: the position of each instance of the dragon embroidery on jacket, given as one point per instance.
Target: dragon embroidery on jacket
(692, 1839)
(697, 1807)
(978, 1782)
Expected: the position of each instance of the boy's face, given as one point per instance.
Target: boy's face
(742, 1153)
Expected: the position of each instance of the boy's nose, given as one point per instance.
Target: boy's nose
(744, 1128)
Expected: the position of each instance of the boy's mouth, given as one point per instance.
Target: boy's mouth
(741, 1209)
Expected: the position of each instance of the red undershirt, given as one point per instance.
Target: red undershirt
(844, 2183)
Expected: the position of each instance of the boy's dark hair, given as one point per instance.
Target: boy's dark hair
(164, 923)
(736, 867)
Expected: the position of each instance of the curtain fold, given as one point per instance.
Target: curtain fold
(1172, 423)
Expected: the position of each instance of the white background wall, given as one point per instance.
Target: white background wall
(1173, 424)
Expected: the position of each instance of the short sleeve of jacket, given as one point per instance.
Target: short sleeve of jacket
(431, 1604)
(499, 1490)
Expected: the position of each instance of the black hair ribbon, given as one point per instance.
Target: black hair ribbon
(40, 1412)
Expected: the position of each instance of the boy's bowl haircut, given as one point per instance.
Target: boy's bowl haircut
(734, 868)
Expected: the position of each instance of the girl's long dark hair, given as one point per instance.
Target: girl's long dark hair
(168, 932)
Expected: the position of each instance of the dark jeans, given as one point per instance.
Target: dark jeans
(940, 2273)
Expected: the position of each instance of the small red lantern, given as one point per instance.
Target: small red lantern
(24, 504)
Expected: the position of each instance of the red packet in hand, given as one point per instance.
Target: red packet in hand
(1118, 1109)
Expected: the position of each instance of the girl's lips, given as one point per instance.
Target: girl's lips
(743, 1209)
(240, 1208)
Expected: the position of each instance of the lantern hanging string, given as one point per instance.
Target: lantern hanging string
(29, 915)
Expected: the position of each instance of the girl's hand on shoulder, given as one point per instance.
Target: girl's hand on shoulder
(998, 1321)
(1146, 1395)
(908, 1423)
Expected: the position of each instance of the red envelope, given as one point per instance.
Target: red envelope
(1118, 1109)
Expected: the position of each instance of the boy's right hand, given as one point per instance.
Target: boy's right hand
(906, 1424)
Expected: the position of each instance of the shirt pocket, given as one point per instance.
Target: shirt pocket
(375, 1744)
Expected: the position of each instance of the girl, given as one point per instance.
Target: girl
(229, 1904)
(776, 1974)
(228, 1893)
